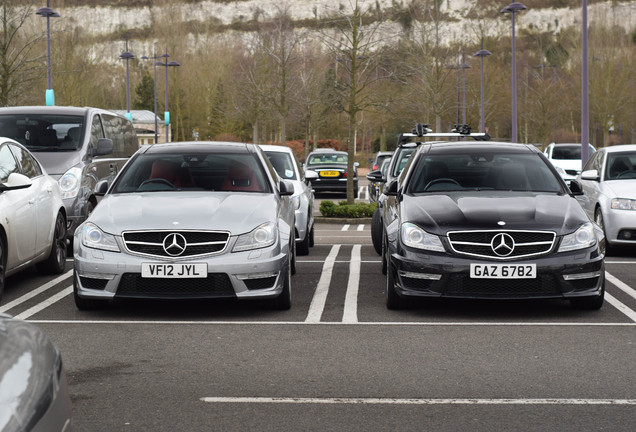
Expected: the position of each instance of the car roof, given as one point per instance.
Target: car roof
(276, 148)
(44, 109)
(328, 150)
(467, 146)
(198, 146)
(620, 148)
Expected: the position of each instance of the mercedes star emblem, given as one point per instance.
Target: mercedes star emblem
(502, 244)
(174, 244)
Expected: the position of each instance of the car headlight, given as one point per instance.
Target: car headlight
(623, 204)
(70, 183)
(93, 237)
(582, 238)
(415, 237)
(262, 236)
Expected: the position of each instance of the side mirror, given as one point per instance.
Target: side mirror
(590, 175)
(376, 176)
(286, 188)
(356, 164)
(101, 187)
(391, 189)
(16, 181)
(575, 188)
(104, 147)
(310, 175)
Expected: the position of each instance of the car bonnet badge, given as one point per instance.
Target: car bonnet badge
(502, 244)
(174, 244)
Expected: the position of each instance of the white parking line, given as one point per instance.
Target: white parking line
(350, 314)
(620, 306)
(35, 292)
(345, 227)
(394, 401)
(320, 296)
(361, 227)
(621, 285)
(46, 303)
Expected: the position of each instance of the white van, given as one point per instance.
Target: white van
(78, 146)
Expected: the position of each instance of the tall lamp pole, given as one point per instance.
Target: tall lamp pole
(461, 66)
(514, 8)
(585, 98)
(49, 13)
(154, 57)
(482, 114)
(127, 55)
(166, 112)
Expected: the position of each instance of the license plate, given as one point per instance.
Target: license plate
(329, 173)
(177, 270)
(503, 271)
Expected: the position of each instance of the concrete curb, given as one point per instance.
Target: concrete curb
(333, 220)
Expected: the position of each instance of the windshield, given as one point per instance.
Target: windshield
(44, 132)
(318, 159)
(480, 171)
(620, 166)
(283, 164)
(569, 152)
(205, 172)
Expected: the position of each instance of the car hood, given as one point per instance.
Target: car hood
(235, 212)
(620, 188)
(439, 214)
(57, 163)
(567, 164)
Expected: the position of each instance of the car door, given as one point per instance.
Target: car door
(592, 189)
(42, 192)
(18, 209)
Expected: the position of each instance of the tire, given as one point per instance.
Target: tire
(376, 231)
(283, 301)
(384, 257)
(86, 303)
(302, 248)
(3, 265)
(598, 218)
(393, 300)
(55, 262)
(590, 303)
(311, 237)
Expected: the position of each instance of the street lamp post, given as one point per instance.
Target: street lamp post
(49, 13)
(154, 57)
(461, 67)
(482, 114)
(166, 112)
(514, 8)
(585, 98)
(127, 55)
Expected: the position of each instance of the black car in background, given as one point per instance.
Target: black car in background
(331, 168)
(375, 186)
(488, 220)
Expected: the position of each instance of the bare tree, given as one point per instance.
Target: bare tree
(19, 65)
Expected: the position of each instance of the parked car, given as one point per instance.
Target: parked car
(331, 171)
(33, 386)
(32, 214)
(77, 146)
(286, 165)
(488, 220)
(566, 157)
(189, 220)
(374, 187)
(406, 144)
(609, 192)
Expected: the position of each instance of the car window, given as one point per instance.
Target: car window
(401, 159)
(96, 131)
(566, 152)
(479, 171)
(620, 166)
(43, 132)
(283, 164)
(30, 167)
(236, 172)
(327, 158)
(8, 164)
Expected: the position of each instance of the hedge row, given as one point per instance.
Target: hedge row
(344, 210)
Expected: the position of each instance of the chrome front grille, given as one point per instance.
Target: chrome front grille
(502, 244)
(190, 243)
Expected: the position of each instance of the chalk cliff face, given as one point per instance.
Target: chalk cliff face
(107, 21)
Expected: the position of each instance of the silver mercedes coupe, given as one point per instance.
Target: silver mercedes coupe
(189, 220)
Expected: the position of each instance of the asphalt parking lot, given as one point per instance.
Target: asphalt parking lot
(339, 360)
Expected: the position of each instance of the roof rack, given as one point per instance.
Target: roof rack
(459, 130)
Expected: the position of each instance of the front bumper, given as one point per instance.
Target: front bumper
(620, 226)
(105, 275)
(340, 185)
(564, 275)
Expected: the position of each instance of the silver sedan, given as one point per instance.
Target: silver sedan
(189, 220)
(609, 186)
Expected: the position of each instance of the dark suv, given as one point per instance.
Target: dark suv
(488, 220)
